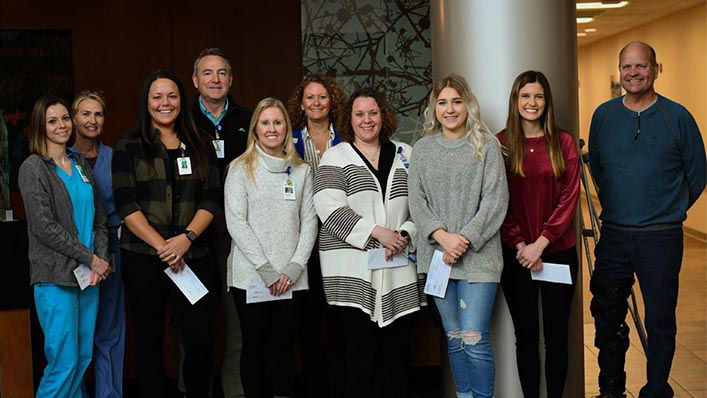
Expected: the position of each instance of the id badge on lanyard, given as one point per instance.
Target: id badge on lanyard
(288, 188)
(81, 173)
(219, 144)
(183, 162)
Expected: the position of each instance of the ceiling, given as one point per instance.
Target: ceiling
(609, 22)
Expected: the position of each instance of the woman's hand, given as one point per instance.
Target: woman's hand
(178, 266)
(449, 260)
(454, 245)
(94, 279)
(529, 255)
(538, 266)
(281, 286)
(391, 240)
(174, 249)
(100, 267)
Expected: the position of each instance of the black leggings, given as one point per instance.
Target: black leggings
(270, 324)
(521, 293)
(376, 359)
(148, 289)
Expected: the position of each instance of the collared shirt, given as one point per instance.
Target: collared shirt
(215, 120)
(311, 154)
(142, 184)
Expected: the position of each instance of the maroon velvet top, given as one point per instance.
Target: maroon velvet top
(541, 204)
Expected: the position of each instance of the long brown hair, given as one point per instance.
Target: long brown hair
(515, 139)
(184, 125)
(38, 124)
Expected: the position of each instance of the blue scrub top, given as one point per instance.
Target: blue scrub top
(81, 194)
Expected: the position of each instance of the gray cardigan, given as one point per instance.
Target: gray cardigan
(450, 188)
(54, 247)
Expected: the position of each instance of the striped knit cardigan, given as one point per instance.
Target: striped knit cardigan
(347, 198)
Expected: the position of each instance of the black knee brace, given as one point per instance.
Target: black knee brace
(616, 342)
(609, 299)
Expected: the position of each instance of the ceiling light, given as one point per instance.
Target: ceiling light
(581, 34)
(584, 19)
(590, 30)
(598, 5)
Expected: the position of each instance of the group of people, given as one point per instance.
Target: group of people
(291, 199)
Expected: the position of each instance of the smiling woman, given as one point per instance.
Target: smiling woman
(66, 227)
(269, 213)
(166, 189)
(88, 111)
(361, 196)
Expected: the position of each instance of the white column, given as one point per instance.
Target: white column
(490, 42)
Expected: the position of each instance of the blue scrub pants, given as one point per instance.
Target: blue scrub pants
(109, 341)
(67, 316)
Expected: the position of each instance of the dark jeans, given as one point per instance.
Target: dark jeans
(376, 358)
(655, 257)
(266, 325)
(521, 294)
(148, 289)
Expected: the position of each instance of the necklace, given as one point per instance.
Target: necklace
(371, 157)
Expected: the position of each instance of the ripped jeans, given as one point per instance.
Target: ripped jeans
(466, 313)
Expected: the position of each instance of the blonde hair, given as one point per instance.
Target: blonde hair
(476, 131)
(83, 95)
(249, 157)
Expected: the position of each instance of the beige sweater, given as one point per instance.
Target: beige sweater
(271, 235)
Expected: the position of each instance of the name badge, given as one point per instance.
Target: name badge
(184, 166)
(83, 176)
(289, 190)
(220, 148)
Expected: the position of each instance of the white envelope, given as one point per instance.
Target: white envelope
(188, 283)
(437, 276)
(259, 293)
(556, 273)
(376, 259)
(83, 276)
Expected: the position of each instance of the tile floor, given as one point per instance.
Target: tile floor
(689, 372)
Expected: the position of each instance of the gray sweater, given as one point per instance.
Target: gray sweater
(54, 246)
(451, 189)
(271, 235)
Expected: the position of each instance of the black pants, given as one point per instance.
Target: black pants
(268, 325)
(376, 358)
(655, 257)
(148, 289)
(522, 296)
(315, 334)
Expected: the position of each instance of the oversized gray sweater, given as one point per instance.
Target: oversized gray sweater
(450, 188)
(271, 235)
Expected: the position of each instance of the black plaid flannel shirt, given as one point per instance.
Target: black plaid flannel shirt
(139, 186)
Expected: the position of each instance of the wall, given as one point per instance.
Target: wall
(680, 44)
(117, 44)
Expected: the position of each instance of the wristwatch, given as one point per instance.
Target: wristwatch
(190, 234)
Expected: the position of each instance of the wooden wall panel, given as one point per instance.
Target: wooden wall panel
(116, 44)
(15, 354)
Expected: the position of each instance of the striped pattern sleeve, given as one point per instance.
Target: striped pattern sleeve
(399, 186)
(332, 185)
(344, 289)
